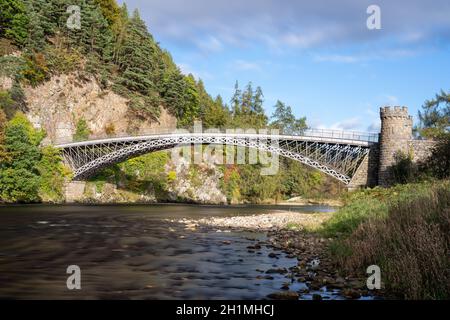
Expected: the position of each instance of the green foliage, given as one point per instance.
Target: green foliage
(19, 179)
(82, 131)
(137, 63)
(35, 70)
(120, 52)
(6, 103)
(364, 205)
(213, 113)
(438, 163)
(404, 230)
(171, 176)
(404, 170)
(231, 184)
(13, 100)
(284, 120)
(3, 122)
(18, 185)
(247, 108)
(63, 60)
(179, 92)
(13, 20)
(110, 10)
(435, 116)
(52, 175)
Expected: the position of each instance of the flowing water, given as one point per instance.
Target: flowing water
(133, 252)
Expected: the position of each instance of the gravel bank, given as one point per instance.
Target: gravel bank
(261, 222)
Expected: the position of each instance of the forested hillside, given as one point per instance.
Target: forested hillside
(39, 45)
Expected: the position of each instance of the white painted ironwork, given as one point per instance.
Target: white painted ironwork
(336, 155)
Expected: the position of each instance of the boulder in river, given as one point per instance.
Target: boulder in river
(284, 295)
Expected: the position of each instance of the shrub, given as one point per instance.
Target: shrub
(35, 70)
(82, 131)
(438, 164)
(408, 237)
(52, 175)
(62, 60)
(404, 170)
(110, 129)
(171, 176)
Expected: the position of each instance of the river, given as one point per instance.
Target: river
(133, 252)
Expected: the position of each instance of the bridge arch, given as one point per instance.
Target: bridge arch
(338, 155)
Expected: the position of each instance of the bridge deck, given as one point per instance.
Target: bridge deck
(349, 138)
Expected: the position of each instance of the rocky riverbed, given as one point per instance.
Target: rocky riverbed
(288, 236)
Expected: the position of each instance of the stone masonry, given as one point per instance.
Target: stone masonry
(396, 132)
(395, 137)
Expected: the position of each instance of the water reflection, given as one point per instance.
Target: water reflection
(131, 252)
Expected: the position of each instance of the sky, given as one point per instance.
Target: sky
(317, 56)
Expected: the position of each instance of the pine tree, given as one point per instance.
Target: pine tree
(3, 154)
(19, 179)
(284, 120)
(14, 20)
(110, 10)
(136, 57)
(236, 100)
(435, 116)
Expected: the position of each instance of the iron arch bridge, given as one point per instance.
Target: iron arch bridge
(336, 153)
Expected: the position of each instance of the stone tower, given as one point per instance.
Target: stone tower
(396, 132)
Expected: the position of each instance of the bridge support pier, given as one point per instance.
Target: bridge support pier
(367, 173)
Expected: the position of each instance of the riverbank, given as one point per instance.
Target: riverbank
(405, 230)
(290, 234)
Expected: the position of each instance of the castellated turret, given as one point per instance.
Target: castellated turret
(396, 132)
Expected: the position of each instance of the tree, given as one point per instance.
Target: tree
(137, 52)
(52, 175)
(236, 100)
(404, 170)
(110, 10)
(217, 115)
(247, 108)
(284, 120)
(6, 103)
(3, 122)
(19, 179)
(14, 20)
(438, 163)
(435, 116)
(82, 131)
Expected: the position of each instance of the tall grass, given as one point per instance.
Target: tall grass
(404, 230)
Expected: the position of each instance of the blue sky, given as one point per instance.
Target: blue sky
(317, 56)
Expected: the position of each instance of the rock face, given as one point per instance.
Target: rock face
(58, 104)
(199, 183)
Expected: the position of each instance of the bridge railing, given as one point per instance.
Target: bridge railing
(319, 133)
(344, 135)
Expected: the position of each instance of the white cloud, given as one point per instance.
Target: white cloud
(188, 69)
(243, 65)
(364, 56)
(337, 58)
(210, 44)
(390, 100)
(303, 40)
(303, 24)
(351, 124)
